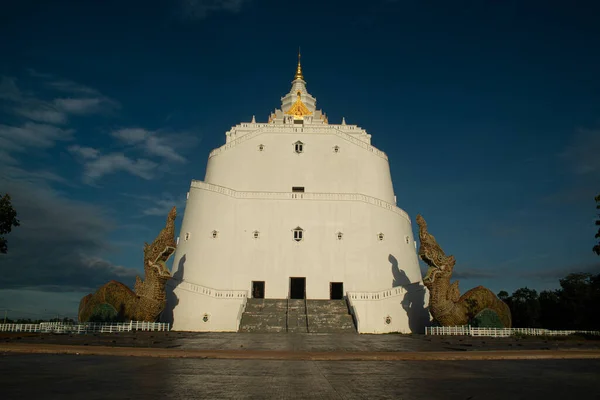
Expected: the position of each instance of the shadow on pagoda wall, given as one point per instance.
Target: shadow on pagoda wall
(414, 300)
(172, 299)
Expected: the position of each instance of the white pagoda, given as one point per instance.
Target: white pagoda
(296, 208)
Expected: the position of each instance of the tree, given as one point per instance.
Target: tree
(552, 313)
(503, 295)
(577, 300)
(8, 220)
(596, 248)
(572, 307)
(524, 306)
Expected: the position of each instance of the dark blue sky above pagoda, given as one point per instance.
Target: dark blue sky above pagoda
(488, 111)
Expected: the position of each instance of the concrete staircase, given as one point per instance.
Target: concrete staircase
(296, 316)
(329, 316)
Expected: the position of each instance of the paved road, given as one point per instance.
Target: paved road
(86, 377)
(299, 342)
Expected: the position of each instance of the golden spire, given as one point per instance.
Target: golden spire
(299, 69)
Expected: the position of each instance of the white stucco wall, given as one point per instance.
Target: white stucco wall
(400, 309)
(203, 309)
(277, 168)
(247, 190)
(235, 258)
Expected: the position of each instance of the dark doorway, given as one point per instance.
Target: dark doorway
(258, 289)
(297, 288)
(336, 290)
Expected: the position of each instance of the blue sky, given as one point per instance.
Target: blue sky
(488, 111)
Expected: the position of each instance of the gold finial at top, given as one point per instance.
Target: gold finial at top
(299, 69)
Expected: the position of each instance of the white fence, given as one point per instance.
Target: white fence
(467, 330)
(59, 327)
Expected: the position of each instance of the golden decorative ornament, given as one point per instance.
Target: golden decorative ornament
(298, 109)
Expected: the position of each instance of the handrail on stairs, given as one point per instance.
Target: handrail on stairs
(306, 314)
(287, 314)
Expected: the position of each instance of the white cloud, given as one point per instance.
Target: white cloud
(42, 113)
(161, 207)
(157, 206)
(84, 152)
(85, 106)
(199, 9)
(59, 242)
(54, 111)
(131, 135)
(31, 134)
(97, 165)
(160, 147)
(67, 86)
(153, 144)
(115, 162)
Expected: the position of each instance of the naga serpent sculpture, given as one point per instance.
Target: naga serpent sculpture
(115, 300)
(446, 304)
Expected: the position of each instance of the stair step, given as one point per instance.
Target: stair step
(293, 315)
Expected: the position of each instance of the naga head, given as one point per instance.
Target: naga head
(161, 249)
(159, 270)
(440, 265)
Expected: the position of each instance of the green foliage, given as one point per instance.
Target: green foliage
(503, 295)
(487, 318)
(104, 313)
(524, 308)
(574, 306)
(596, 248)
(8, 220)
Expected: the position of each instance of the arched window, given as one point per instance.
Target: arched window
(380, 236)
(299, 147)
(339, 235)
(215, 234)
(298, 234)
(255, 234)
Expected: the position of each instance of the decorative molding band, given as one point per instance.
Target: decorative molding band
(330, 130)
(206, 291)
(300, 196)
(382, 294)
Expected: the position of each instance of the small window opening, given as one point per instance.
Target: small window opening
(187, 236)
(299, 147)
(298, 234)
(255, 234)
(261, 147)
(380, 236)
(336, 149)
(336, 290)
(339, 235)
(215, 234)
(258, 289)
(407, 238)
(298, 189)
